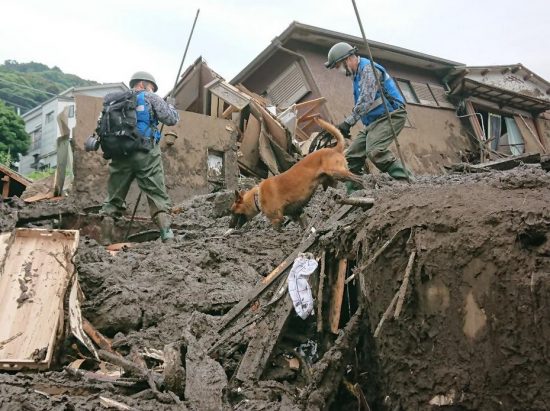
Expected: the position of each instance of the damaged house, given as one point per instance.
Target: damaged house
(442, 97)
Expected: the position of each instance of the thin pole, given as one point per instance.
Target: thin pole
(185, 53)
(380, 88)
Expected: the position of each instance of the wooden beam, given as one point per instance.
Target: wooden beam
(214, 105)
(404, 285)
(102, 341)
(509, 162)
(320, 293)
(337, 296)
(281, 268)
(5, 186)
(266, 337)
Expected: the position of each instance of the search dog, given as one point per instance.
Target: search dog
(289, 192)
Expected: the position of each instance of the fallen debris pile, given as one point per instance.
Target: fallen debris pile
(430, 294)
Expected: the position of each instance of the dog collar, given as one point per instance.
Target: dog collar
(257, 201)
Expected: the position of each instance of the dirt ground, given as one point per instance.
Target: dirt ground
(473, 332)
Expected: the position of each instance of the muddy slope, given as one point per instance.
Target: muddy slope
(473, 332)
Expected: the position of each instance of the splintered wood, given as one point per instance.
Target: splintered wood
(34, 277)
(337, 296)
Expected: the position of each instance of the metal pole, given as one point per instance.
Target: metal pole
(185, 53)
(162, 126)
(380, 87)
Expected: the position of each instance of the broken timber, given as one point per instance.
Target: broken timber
(267, 281)
(337, 296)
(37, 268)
(268, 333)
(264, 341)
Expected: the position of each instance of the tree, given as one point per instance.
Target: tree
(13, 137)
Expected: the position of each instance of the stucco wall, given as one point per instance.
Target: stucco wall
(437, 136)
(185, 163)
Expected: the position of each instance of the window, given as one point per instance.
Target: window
(407, 91)
(289, 87)
(215, 166)
(36, 138)
(71, 111)
(49, 117)
(424, 94)
(502, 132)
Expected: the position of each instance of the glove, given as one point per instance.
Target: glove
(344, 129)
(171, 101)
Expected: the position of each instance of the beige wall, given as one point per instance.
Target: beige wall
(436, 139)
(437, 136)
(185, 163)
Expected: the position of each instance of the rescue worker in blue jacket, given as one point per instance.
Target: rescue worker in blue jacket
(373, 141)
(145, 167)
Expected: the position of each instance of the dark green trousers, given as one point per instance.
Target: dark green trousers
(147, 170)
(373, 142)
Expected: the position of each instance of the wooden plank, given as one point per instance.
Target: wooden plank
(36, 271)
(214, 105)
(229, 94)
(281, 268)
(15, 175)
(337, 296)
(320, 292)
(306, 105)
(220, 107)
(260, 348)
(509, 162)
(250, 144)
(5, 186)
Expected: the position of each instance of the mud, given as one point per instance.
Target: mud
(473, 332)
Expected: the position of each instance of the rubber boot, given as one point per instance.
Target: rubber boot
(399, 172)
(164, 221)
(351, 187)
(106, 230)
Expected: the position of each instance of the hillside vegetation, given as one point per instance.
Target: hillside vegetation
(26, 85)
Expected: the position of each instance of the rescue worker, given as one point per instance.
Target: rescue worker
(373, 141)
(145, 167)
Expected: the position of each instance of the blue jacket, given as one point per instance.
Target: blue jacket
(147, 122)
(392, 94)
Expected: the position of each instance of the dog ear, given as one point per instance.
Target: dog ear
(238, 195)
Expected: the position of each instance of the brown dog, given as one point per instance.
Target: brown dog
(289, 192)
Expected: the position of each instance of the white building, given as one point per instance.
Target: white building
(41, 124)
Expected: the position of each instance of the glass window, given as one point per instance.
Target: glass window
(407, 91)
(49, 117)
(71, 111)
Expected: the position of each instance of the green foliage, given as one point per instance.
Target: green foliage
(15, 78)
(13, 137)
(5, 158)
(39, 175)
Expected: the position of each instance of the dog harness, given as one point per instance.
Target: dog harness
(257, 200)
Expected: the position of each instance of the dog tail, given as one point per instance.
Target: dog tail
(340, 143)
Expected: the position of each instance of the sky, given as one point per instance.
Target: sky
(107, 41)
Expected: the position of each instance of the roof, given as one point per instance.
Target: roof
(63, 95)
(83, 89)
(14, 175)
(500, 95)
(514, 68)
(326, 38)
